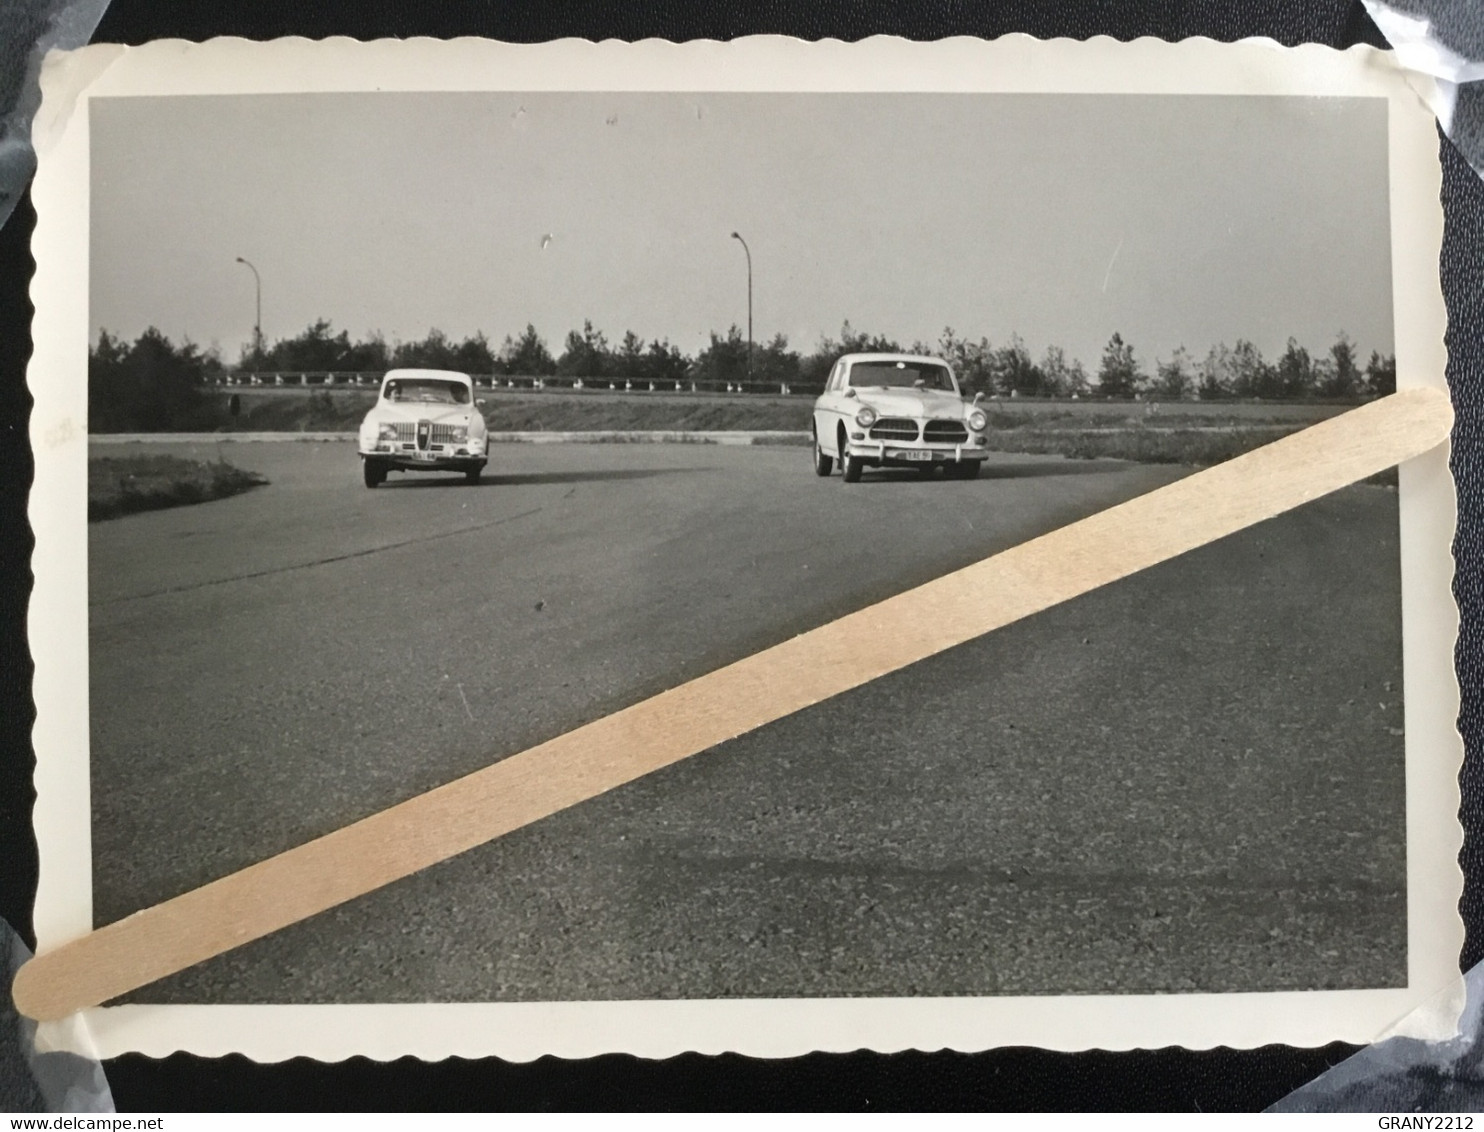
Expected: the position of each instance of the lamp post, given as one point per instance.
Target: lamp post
(738, 237)
(257, 326)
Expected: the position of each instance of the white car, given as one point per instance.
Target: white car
(424, 420)
(897, 410)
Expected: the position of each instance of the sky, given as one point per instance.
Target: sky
(1173, 220)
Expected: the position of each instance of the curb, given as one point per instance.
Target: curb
(605, 436)
(213, 437)
(652, 436)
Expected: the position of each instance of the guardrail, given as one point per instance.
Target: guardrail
(324, 379)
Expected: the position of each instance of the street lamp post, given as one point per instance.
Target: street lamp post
(737, 236)
(257, 326)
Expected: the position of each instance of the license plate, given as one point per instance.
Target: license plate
(421, 455)
(914, 454)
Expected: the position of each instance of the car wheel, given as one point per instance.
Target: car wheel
(852, 469)
(823, 464)
(372, 473)
(966, 470)
(471, 476)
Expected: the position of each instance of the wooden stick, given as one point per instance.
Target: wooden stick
(730, 701)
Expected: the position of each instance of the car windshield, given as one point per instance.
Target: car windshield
(423, 389)
(885, 375)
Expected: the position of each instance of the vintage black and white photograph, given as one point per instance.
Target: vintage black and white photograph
(426, 425)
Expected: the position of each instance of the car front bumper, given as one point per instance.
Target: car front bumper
(887, 453)
(408, 457)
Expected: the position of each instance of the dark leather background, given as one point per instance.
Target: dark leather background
(1002, 1079)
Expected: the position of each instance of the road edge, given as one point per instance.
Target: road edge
(604, 436)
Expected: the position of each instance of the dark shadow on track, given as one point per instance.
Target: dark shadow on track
(1057, 467)
(535, 478)
(1053, 467)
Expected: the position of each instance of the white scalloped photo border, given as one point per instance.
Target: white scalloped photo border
(759, 1027)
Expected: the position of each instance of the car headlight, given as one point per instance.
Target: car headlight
(978, 419)
(460, 433)
(387, 432)
(866, 417)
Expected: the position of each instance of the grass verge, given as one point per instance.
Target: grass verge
(122, 485)
(1200, 445)
(1145, 445)
(342, 410)
(286, 410)
(554, 413)
(1193, 433)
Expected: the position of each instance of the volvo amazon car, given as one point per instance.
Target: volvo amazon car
(897, 410)
(425, 420)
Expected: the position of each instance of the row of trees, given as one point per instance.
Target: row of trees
(154, 383)
(1238, 371)
(1225, 373)
(148, 385)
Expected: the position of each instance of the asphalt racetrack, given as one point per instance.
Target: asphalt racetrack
(1189, 780)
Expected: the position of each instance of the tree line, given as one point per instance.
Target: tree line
(153, 382)
(1238, 371)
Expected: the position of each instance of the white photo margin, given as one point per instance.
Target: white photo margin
(758, 1027)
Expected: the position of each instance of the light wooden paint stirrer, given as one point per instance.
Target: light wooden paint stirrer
(729, 702)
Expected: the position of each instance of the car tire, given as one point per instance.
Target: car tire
(372, 473)
(966, 470)
(823, 465)
(852, 469)
(471, 476)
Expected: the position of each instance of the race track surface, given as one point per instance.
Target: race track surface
(1189, 780)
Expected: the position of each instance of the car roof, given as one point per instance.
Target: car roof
(428, 374)
(853, 358)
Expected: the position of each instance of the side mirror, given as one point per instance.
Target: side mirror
(978, 397)
(479, 400)
(850, 392)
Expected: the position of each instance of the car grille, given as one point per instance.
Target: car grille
(442, 434)
(894, 428)
(945, 432)
(406, 430)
